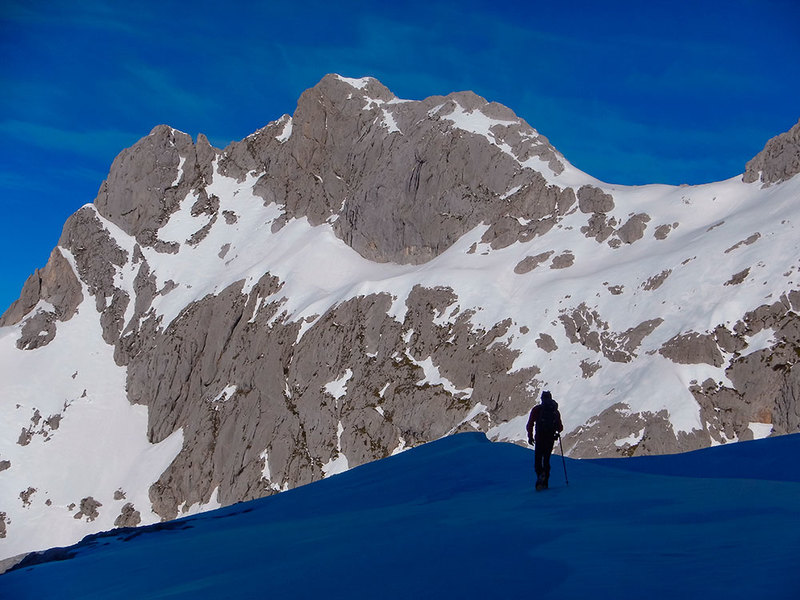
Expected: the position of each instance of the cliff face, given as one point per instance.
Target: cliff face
(373, 273)
(779, 161)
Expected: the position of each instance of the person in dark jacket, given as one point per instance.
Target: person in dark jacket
(547, 421)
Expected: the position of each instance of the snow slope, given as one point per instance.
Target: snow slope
(459, 518)
(77, 437)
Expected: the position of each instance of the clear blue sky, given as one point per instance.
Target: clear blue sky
(631, 92)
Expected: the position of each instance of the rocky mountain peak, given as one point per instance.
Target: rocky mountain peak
(401, 180)
(778, 161)
(369, 274)
(148, 180)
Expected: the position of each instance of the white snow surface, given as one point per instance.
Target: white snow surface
(338, 388)
(99, 447)
(760, 430)
(339, 463)
(287, 129)
(359, 83)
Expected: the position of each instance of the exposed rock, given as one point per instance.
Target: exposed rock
(38, 330)
(119, 495)
(662, 231)
(96, 257)
(25, 496)
(728, 341)
(634, 228)
(766, 383)
(529, 263)
(589, 368)
(518, 136)
(5, 464)
(594, 200)
(88, 509)
(585, 326)
(280, 408)
(778, 161)
(691, 349)
(56, 283)
(53, 421)
(3, 531)
(619, 432)
(745, 242)
(622, 347)
(145, 185)
(739, 277)
(546, 343)
(793, 298)
(599, 227)
(25, 437)
(766, 316)
(439, 181)
(655, 282)
(128, 517)
(564, 260)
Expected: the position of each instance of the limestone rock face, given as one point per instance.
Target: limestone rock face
(403, 193)
(148, 180)
(370, 274)
(778, 161)
(88, 509)
(594, 200)
(56, 283)
(128, 517)
(692, 348)
(278, 415)
(58, 290)
(618, 431)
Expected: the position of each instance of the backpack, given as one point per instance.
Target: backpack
(548, 418)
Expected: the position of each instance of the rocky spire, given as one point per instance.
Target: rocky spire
(778, 161)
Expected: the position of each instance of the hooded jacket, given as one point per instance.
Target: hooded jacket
(546, 418)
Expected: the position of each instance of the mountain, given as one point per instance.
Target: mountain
(459, 518)
(370, 274)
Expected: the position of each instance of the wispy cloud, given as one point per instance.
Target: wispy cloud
(87, 14)
(99, 143)
(159, 86)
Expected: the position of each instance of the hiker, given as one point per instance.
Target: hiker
(548, 428)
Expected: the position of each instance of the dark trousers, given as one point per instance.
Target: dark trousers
(542, 450)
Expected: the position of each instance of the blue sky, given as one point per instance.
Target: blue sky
(631, 92)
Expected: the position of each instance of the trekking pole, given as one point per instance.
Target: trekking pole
(563, 460)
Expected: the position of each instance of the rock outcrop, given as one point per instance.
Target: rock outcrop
(778, 161)
(402, 193)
